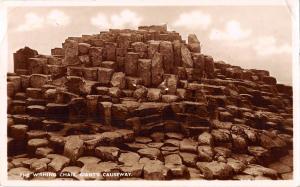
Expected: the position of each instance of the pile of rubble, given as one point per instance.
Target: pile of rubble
(144, 104)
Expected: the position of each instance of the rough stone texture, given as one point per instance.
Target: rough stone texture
(107, 153)
(73, 148)
(187, 61)
(166, 49)
(131, 64)
(157, 70)
(118, 80)
(215, 169)
(148, 103)
(144, 71)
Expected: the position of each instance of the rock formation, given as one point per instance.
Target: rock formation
(144, 103)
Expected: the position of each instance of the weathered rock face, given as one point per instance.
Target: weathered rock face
(146, 104)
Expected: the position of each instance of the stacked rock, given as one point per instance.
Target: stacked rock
(147, 105)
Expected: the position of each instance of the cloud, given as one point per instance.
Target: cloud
(35, 21)
(125, 19)
(32, 22)
(193, 20)
(233, 31)
(268, 45)
(58, 18)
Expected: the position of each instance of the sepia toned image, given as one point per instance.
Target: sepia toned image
(149, 93)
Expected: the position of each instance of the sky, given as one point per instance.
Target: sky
(257, 37)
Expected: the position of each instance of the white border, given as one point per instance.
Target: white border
(293, 4)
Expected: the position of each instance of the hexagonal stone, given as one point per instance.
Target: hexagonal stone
(118, 80)
(127, 135)
(188, 145)
(157, 145)
(40, 165)
(83, 48)
(43, 151)
(136, 146)
(104, 75)
(174, 135)
(87, 160)
(178, 170)
(205, 139)
(189, 159)
(111, 137)
(37, 142)
(173, 159)
(129, 159)
(18, 131)
(58, 162)
(215, 170)
(142, 139)
(36, 134)
(154, 170)
(151, 153)
(205, 153)
(107, 153)
(74, 148)
(38, 80)
(166, 150)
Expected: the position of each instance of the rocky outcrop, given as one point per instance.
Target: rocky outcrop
(145, 104)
